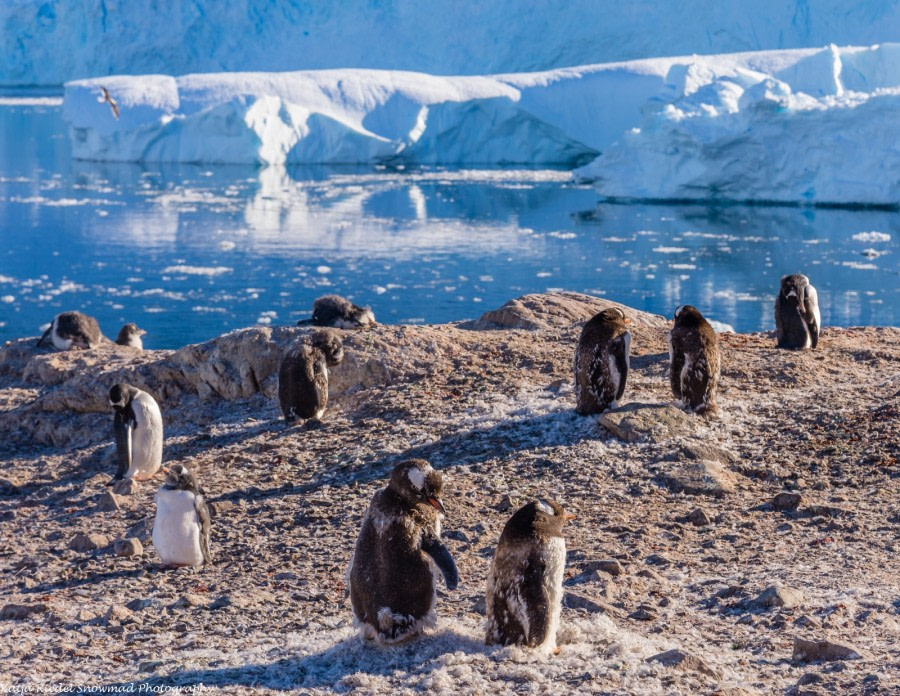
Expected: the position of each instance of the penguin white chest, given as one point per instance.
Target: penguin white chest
(176, 528)
(147, 440)
(555, 559)
(59, 342)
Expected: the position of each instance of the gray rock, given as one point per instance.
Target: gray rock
(505, 504)
(88, 542)
(643, 613)
(778, 596)
(17, 612)
(219, 508)
(685, 662)
(117, 613)
(189, 600)
(698, 517)
(532, 312)
(140, 530)
(574, 600)
(639, 422)
(8, 487)
(695, 449)
(786, 501)
(131, 546)
(109, 502)
(125, 487)
(700, 478)
(606, 565)
(139, 604)
(812, 650)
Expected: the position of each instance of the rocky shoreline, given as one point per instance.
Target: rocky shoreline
(754, 552)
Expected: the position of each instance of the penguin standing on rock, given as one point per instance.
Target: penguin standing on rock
(139, 432)
(524, 584)
(392, 586)
(181, 526)
(339, 313)
(601, 362)
(797, 318)
(130, 335)
(73, 330)
(694, 360)
(303, 375)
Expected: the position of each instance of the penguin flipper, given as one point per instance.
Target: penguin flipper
(44, 337)
(622, 349)
(123, 424)
(811, 307)
(441, 556)
(675, 369)
(537, 600)
(203, 515)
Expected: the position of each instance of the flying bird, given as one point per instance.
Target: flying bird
(105, 96)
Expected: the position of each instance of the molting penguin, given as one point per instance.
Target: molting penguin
(139, 432)
(303, 376)
(797, 318)
(339, 313)
(601, 361)
(181, 527)
(73, 330)
(130, 335)
(392, 587)
(524, 584)
(694, 360)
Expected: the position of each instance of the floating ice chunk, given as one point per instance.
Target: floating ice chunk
(872, 237)
(198, 270)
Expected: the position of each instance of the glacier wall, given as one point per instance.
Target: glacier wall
(49, 42)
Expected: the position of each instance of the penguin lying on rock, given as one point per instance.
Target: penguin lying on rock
(73, 330)
(392, 587)
(339, 313)
(524, 584)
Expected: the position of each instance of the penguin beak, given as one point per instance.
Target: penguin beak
(568, 516)
(627, 320)
(165, 470)
(436, 502)
(142, 332)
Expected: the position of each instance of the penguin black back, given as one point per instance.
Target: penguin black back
(602, 361)
(303, 375)
(73, 330)
(694, 360)
(338, 312)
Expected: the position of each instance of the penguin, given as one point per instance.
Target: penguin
(392, 586)
(130, 335)
(524, 583)
(797, 318)
(303, 375)
(73, 330)
(694, 360)
(602, 361)
(339, 313)
(139, 432)
(181, 526)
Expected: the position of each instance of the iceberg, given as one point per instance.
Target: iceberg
(797, 126)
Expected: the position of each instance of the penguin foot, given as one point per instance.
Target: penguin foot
(555, 650)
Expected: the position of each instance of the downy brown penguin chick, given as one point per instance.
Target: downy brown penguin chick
(797, 318)
(602, 361)
(524, 584)
(392, 587)
(130, 335)
(303, 376)
(694, 360)
(339, 313)
(181, 526)
(73, 330)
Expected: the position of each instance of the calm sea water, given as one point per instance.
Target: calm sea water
(189, 252)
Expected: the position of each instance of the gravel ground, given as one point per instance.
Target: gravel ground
(728, 539)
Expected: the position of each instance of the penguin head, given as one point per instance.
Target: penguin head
(417, 483)
(543, 517)
(130, 329)
(614, 315)
(364, 316)
(688, 316)
(179, 477)
(330, 344)
(121, 395)
(793, 287)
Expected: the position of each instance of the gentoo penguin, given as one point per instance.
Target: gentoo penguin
(694, 360)
(181, 526)
(303, 376)
(130, 335)
(339, 313)
(524, 584)
(139, 432)
(105, 96)
(73, 330)
(601, 361)
(392, 588)
(797, 318)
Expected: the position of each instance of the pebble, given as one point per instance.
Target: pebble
(606, 565)
(778, 596)
(128, 547)
(786, 501)
(17, 612)
(700, 477)
(698, 517)
(82, 542)
(189, 600)
(643, 613)
(109, 502)
(826, 650)
(684, 661)
(125, 487)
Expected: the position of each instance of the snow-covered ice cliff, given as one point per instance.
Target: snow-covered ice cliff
(814, 125)
(51, 42)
